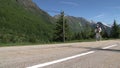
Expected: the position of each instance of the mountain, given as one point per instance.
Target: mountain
(105, 28)
(78, 24)
(32, 7)
(24, 21)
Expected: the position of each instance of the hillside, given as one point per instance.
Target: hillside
(77, 24)
(23, 21)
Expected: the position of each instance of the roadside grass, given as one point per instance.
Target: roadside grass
(43, 43)
(30, 44)
(13, 44)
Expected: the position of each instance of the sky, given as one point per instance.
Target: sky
(105, 11)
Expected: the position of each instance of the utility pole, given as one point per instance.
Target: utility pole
(63, 26)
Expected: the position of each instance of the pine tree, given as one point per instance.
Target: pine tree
(115, 30)
(62, 29)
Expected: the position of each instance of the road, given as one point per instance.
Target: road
(102, 54)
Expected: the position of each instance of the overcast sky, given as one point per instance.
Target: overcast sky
(97, 10)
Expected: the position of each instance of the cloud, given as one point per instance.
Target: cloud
(69, 3)
(99, 16)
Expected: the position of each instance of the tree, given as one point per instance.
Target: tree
(62, 29)
(115, 30)
(68, 32)
(87, 32)
(105, 34)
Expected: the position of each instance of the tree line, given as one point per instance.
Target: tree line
(27, 31)
(62, 31)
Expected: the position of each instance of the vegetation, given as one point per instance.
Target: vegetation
(86, 33)
(115, 32)
(18, 25)
(62, 31)
(23, 25)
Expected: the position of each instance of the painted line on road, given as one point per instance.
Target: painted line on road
(60, 60)
(109, 46)
(68, 58)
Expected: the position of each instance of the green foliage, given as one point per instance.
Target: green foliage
(18, 24)
(86, 33)
(68, 32)
(21, 24)
(62, 30)
(105, 34)
(77, 36)
(115, 33)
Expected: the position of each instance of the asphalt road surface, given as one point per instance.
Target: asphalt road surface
(102, 54)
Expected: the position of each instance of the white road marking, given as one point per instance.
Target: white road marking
(68, 58)
(109, 46)
(60, 60)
